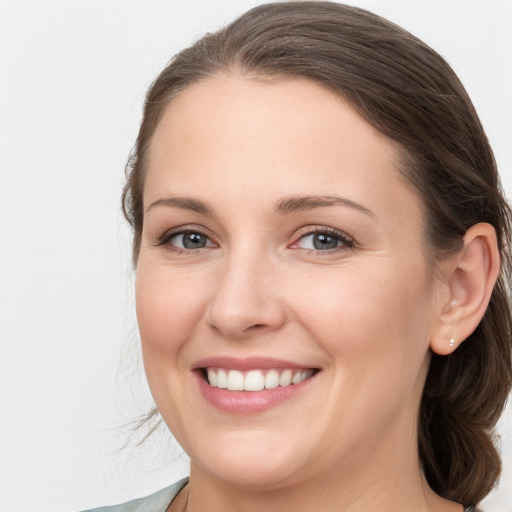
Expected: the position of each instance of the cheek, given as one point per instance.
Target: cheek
(359, 313)
(168, 307)
(168, 312)
(375, 329)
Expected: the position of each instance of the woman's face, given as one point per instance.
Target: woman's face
(281, 244)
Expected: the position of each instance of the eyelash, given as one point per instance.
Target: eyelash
(345, 242)
(183, 230)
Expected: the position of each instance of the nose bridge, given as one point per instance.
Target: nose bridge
(245, 299)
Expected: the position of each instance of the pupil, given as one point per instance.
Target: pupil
(193, 241)
(323, 241)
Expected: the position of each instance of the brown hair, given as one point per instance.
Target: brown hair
(408, 92)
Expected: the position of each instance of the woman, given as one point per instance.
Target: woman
(321, 248)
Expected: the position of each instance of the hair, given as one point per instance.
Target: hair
(406, 90)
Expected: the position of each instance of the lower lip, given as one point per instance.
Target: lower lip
(248, 402)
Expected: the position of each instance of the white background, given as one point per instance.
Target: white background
(73, 75)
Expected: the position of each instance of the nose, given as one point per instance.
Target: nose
(246, 300)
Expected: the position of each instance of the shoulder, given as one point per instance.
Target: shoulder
(158, 502)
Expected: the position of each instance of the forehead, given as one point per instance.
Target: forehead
(264, 139)
(280, 111)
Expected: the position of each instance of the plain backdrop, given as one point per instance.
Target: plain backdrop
(73, 75)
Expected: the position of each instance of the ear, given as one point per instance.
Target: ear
(467, 279)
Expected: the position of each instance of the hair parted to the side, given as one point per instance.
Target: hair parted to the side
(408, 92)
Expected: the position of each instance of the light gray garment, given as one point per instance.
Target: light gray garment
(157, 502)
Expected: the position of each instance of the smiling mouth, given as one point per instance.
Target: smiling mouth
(255, 380)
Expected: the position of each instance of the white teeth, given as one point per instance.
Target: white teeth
(222, 379)
(286, 378)
(212, 377)
(235, 380)
(255, 380)
(297, 377)
(272, 379)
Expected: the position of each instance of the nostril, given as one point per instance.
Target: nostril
(256, 327)
(238, 317)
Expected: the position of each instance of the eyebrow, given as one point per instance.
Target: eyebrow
(301, 203)
(186, 203)
(282, 207)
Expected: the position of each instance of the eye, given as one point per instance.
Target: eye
(188, 240)
(323, 240)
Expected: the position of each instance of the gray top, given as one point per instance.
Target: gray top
(159, 501)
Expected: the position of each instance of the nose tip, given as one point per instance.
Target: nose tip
(240, 309)
(235, 323)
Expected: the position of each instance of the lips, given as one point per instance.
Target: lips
(250, 385)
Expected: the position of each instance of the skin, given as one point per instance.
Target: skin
(365, 313)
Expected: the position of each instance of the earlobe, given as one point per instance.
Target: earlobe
(469, 279)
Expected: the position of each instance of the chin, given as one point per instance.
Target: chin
(248, 476)
(250, 462)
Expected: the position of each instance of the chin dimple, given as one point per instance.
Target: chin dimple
(255, 380)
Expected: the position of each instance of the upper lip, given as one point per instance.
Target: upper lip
(247, 363)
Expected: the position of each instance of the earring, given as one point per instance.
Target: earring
(452, 342)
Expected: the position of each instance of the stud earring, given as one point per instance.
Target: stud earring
(452, 342)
